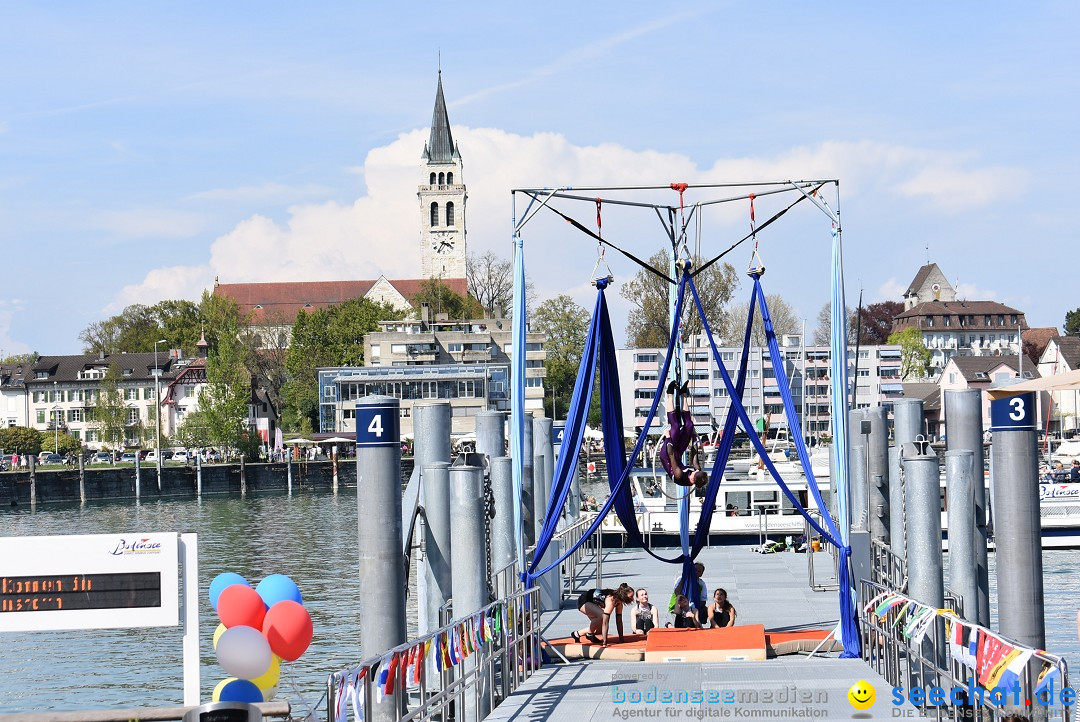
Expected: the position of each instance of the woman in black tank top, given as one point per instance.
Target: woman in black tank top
(721, 612)
(599, 605)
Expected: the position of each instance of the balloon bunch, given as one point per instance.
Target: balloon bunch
(259, 628)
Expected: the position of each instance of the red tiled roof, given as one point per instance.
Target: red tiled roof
(282, 301)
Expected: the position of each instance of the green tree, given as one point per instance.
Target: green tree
(1072, 322)
(647, 325)
(20, 440)
(137, 327)
(22, 358)
(66, 444)
(194, 432)
(440, 298)
(564, 323)
(732, 327)
(110, 414)
(227, 394)
(914, 355)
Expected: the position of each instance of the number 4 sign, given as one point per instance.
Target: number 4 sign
(377, 425)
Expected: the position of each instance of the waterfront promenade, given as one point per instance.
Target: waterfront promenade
(768, 589)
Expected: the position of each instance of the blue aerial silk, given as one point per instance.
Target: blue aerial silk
(517, 394)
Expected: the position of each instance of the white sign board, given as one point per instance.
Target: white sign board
(89, 581)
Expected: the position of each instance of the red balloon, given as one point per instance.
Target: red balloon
(287, 627)
(241, 606)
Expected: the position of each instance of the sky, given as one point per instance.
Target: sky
(149, 148)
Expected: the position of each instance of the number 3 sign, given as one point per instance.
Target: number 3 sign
(1013, 413)
(377, 425)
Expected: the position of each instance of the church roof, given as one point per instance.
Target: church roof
(280, 302)
(920, 279)
(440, 146)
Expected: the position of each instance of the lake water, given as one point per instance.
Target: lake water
(312, 538)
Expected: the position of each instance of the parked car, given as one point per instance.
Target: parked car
(128, 457)
(180, 456)
(51, 459)
(101, 457)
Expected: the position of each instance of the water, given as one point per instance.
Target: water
(312, 538)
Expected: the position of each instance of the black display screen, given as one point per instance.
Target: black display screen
(65, 592)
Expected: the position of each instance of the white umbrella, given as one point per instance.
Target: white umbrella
(591, 433)
(299, 441)
(337, 440)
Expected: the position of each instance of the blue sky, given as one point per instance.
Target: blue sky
(146, 148)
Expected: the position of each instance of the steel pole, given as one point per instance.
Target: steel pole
(491, 433)
(964, 432)
(907, 426)
(469, 566)
(960, 491)
(878, 481)
(926, 581)
(502, 527)
(528, 519)
(857, 470)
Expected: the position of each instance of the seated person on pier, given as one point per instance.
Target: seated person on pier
(677, 438)
(645, 616)
(1074, 472)
(599, 605)
(685, 616)
(721, 612)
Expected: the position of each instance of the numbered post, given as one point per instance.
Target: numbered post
(378, 498)
(1017, 531)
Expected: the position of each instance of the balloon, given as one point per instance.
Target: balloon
(237, 690)
(278, 587)
(288, 628)
(272, 675)
(217, 633)
(221, 583)
(268, 694)
(243, 652)
(240, 606)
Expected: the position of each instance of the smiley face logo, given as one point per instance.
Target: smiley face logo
(861, 695)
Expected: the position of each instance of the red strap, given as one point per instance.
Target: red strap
(681, 187)
(751, 207)
(599, 202)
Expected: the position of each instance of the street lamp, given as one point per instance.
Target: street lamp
(157, 411)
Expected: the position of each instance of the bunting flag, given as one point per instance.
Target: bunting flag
(451, 639)
(421, 657)
(926, 623)
(1047, 678)
(391, 675)
(342, 697)
(380, 680)
(1008, 671)
(440, 653)
(960, 646)
(990, 651)
(356, 698)
(903, 610)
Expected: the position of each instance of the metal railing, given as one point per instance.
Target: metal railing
(479, 681)
(573, 565)
(886, 567)
(832, 551)
(933, 662)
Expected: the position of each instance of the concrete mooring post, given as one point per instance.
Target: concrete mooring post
(857, 469)
(138, 477)
(82, 479)
(382, 573)
(288, 471)
(491, 433)
(243, 477)
(878, 481)
(32, 461)
(469, 566)
(503, 552)
(431, 456)
(907, 426)
(964, 432)
(544, 471)
(926, 581)
(960, 491)
(198, 477)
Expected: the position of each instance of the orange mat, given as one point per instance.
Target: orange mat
(730, 644)
(631, 650)
(807, 640)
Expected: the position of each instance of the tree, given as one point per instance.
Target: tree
(194, 432)
(823, 332)
(440, 298)
(733, 325)
(564, 323)
(877, 322)
(227, 394)
(20, 440)
(110, 414)
(23, 358)
(1072, 322)
(491, 283)
(648, 326)
(137, 327)
(914, 355)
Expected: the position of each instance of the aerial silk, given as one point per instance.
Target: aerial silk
(517, 393)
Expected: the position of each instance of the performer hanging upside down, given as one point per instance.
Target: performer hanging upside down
(677, 438)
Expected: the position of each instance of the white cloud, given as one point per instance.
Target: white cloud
(150, 223)
(162, 283)
(971, 292)
(9, 347)
(379, 232)
(891, 290)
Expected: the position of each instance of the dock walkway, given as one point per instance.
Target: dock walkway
(768, 589)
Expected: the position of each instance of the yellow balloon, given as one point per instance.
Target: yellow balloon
(216, 697)
(218, 632)
(270, 677)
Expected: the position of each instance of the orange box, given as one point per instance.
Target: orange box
(729, 644)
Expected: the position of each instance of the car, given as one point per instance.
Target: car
(128, 457)
(180, 456)
(101, 457)
(51, 459)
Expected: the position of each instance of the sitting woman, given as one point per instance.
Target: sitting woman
(677, 438)
(721, 613)
(685, 616)
(646, 616)
(598, 605)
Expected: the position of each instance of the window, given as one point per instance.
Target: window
(454, 347)
(952, 378)
(434, 215)
(375, 350)
(41, 416)
(133, 416)
(986, 320)
(128, 372)
(429, 390)
(431, 181)
(466, 389)
(947, 320)
(397, 348)
(534, 383)
(534, 347)
(450, 214)
(929, 321)
(1001, 320)
(75, 415)
(449, 179)
(442, 179)
(131, 394)
(42, 375)
(644, 358)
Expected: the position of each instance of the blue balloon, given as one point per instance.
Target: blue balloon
(241, 690)
(277, 588)
(221, 583)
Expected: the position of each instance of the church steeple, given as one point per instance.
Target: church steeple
(440, 147)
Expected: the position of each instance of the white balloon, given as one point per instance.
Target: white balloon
(243, 652)
(268, 694)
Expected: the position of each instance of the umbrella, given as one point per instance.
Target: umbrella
(299, 441)
(337, 440)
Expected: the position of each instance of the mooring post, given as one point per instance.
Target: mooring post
(82, 479)
(857, 470)
(381, 609)
(964, 432)
(960, 497)
(528, 520)
(243, 477)
(198, 477)
(469, 566)
(907, 426)
(431, 457)
(138, 477)
(32, 460)
(288, 472)
(878, 481)
(544, 470)
(333, 467)
(491, 433)
(503, 552)
(926, 581)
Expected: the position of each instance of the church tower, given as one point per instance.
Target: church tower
(442, 200)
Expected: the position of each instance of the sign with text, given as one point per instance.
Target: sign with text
(1013, 413)
(378, 425)
(90, 581)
